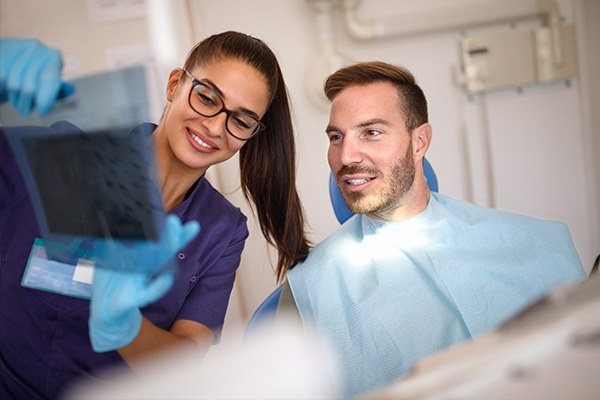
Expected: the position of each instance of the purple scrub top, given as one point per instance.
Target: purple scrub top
(44, 342)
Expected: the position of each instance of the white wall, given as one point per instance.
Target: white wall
(65, 24)
(544, 139)
(587, 13)
(536, 134)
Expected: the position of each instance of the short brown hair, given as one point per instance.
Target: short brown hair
(412, 100)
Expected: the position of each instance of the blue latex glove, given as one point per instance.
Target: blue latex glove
(30, 75)
(117, 296)
(148, 257)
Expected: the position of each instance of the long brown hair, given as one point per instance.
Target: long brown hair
(268, 160)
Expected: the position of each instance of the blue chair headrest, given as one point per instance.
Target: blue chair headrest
(343, 213)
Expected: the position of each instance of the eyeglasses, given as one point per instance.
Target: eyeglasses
(206, 102)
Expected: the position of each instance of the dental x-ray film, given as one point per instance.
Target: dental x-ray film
(89, 176)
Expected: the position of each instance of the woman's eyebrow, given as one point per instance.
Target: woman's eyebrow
(214, 87)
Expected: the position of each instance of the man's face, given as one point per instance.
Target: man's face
(370, 150)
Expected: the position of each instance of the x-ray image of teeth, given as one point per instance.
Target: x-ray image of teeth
(91, 176)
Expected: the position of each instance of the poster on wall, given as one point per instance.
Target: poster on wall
(115, 10)
(135, 55)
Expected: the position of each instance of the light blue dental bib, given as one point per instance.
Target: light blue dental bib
(384, 295)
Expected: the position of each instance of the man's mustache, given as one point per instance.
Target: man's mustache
(353, 169)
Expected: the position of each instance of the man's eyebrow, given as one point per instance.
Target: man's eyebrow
(369, 122)
(331, 128)
(373, 121)
(214, 87)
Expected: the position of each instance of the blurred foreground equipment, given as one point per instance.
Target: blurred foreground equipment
(273, 363)
(551, 350)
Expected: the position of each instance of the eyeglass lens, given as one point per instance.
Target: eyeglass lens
(205, 101)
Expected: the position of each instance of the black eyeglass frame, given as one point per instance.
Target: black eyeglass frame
(195, 82)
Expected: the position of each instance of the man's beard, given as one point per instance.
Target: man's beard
(398, 182)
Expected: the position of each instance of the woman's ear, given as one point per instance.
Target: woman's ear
(421, 139)
(173, 83)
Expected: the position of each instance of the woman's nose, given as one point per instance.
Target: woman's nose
(216, 125)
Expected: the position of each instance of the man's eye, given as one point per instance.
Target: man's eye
(334, 137)
(373, 132)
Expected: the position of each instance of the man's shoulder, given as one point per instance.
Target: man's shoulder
(476, 214)
(348, 232)
(340, 244)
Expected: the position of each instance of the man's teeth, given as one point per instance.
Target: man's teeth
(357, 181)
(200, 142)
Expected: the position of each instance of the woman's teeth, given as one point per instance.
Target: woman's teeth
(199, 141)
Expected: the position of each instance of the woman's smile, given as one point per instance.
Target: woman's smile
(200, 143)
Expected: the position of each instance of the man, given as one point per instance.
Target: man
(414, 272)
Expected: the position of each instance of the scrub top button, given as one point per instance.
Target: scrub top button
(181, 256)
(193, 279)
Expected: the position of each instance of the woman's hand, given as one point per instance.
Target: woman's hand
(118, 294)
(115, 316)
(145, 256)
(30, 75)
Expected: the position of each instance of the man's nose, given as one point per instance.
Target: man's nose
(350, 152)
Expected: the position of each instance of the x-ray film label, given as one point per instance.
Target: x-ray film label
(51, 276)
(84, 271)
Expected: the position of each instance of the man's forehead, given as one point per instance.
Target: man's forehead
(374, 95)
(366, 89)
(363, 105)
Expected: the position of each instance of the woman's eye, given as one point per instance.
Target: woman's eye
(208, 100)
(242, 122)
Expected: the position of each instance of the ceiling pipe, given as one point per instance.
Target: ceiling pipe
(443, 18)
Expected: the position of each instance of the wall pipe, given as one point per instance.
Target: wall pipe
(170, 31)
(329, 59)
(457, 16)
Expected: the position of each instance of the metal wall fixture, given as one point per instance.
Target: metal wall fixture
(498, 60)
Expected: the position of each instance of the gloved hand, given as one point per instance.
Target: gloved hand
(117, 296)
(144, 256)
(30, 75)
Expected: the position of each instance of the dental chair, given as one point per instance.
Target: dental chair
(265, 313)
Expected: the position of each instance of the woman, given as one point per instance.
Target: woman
(229, 96)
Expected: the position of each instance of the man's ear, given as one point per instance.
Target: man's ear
(173, 83)
(421, 139)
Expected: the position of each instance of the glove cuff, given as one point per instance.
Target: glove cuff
(109, 337)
